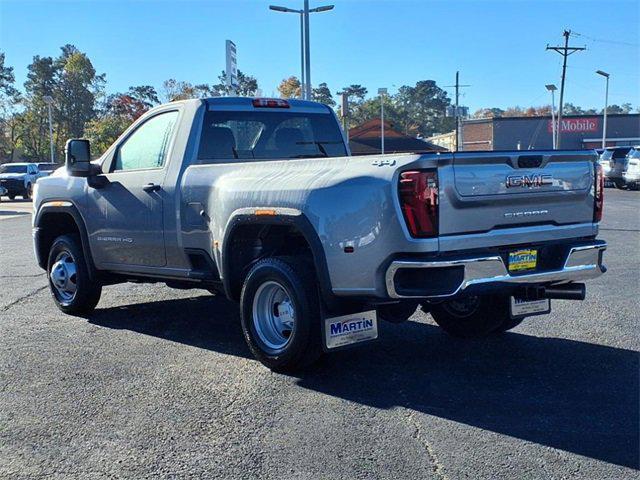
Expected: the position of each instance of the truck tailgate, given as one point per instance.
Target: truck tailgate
(505, 190)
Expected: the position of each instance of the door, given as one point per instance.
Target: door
(130, 207)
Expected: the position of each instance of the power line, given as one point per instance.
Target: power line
(602, 40)
(565, 52)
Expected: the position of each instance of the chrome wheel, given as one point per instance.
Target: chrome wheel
(64, 276)
(273, 316)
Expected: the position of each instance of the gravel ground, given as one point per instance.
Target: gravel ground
(159, 383)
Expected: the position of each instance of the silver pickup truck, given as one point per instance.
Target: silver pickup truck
(259, 199)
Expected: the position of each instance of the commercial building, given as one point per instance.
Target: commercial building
(524, 133)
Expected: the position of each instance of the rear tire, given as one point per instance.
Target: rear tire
(396, 312)
(280, 314)
(67, 271)
(473, 316)
(11, 197)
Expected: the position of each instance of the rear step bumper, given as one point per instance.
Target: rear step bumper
(450, 277)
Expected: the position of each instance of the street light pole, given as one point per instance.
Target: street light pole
(606, 106)
(307, 55)
(552, 88)
(302, 66)
(49, 101)
(382, 92)
(305, 60)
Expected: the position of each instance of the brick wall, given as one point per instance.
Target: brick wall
(478, 135)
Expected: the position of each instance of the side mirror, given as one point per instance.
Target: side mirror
(77, 154)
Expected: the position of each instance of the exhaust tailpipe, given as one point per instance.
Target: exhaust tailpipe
(568, 291)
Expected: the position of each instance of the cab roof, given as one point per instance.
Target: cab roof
(247, 103)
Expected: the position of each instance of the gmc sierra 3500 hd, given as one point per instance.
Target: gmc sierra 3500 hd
(259, 199)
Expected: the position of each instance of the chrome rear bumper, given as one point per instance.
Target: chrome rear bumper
(583, 262)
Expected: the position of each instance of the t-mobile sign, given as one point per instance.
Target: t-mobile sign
(576, 125)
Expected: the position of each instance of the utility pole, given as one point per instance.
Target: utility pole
(457, 111)
(48, 99)
(344, 112)
(565, 52)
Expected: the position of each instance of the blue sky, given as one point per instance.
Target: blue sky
(498, 46)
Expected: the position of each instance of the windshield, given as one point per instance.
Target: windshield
(620, 152)
(269, 135)
(46, 167)
(13, 169)
(634, 153)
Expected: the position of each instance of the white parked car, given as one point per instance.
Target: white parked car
(18, 179)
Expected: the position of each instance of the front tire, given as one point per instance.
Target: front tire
(67, 271)
(474, 316)
(27, 193)
(280, 314)
(619, 184)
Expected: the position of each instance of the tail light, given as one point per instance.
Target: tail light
(270, 103)
(418, 191)
(598, 194)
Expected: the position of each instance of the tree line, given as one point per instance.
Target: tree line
(568, 109)
(81, 107)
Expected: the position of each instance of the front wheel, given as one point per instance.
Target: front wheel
(474, 316)
(27, 193)
(619, 184)
(280, 314)
(71, 287)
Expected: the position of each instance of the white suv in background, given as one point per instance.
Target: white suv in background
(631, 174)
(19, 179)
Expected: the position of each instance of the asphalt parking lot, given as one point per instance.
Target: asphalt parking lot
(159, 383)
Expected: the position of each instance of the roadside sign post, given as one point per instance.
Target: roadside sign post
(231, 72)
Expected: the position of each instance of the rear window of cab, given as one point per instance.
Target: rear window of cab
(231, 136)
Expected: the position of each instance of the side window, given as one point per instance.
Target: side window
(147, 146)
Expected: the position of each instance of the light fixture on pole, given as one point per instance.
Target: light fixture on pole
(48, 99)
(606, 106)
(305, 80)
(552, 88)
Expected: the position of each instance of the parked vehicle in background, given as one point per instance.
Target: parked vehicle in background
(631, 174)
(18, 179)
(46, 169)
(259, 200)
(613, 161)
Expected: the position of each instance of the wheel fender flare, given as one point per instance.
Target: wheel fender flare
(293, 218)
(69, 208)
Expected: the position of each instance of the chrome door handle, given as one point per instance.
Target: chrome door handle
(151, 187)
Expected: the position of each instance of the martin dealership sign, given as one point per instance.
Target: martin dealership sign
(576, 125)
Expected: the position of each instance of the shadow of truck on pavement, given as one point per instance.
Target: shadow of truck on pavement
(570, 395)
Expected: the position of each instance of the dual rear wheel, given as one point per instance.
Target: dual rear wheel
(280, 313)
(474, 316)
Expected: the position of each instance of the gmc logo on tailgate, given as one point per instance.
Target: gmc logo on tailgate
(528, 181)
